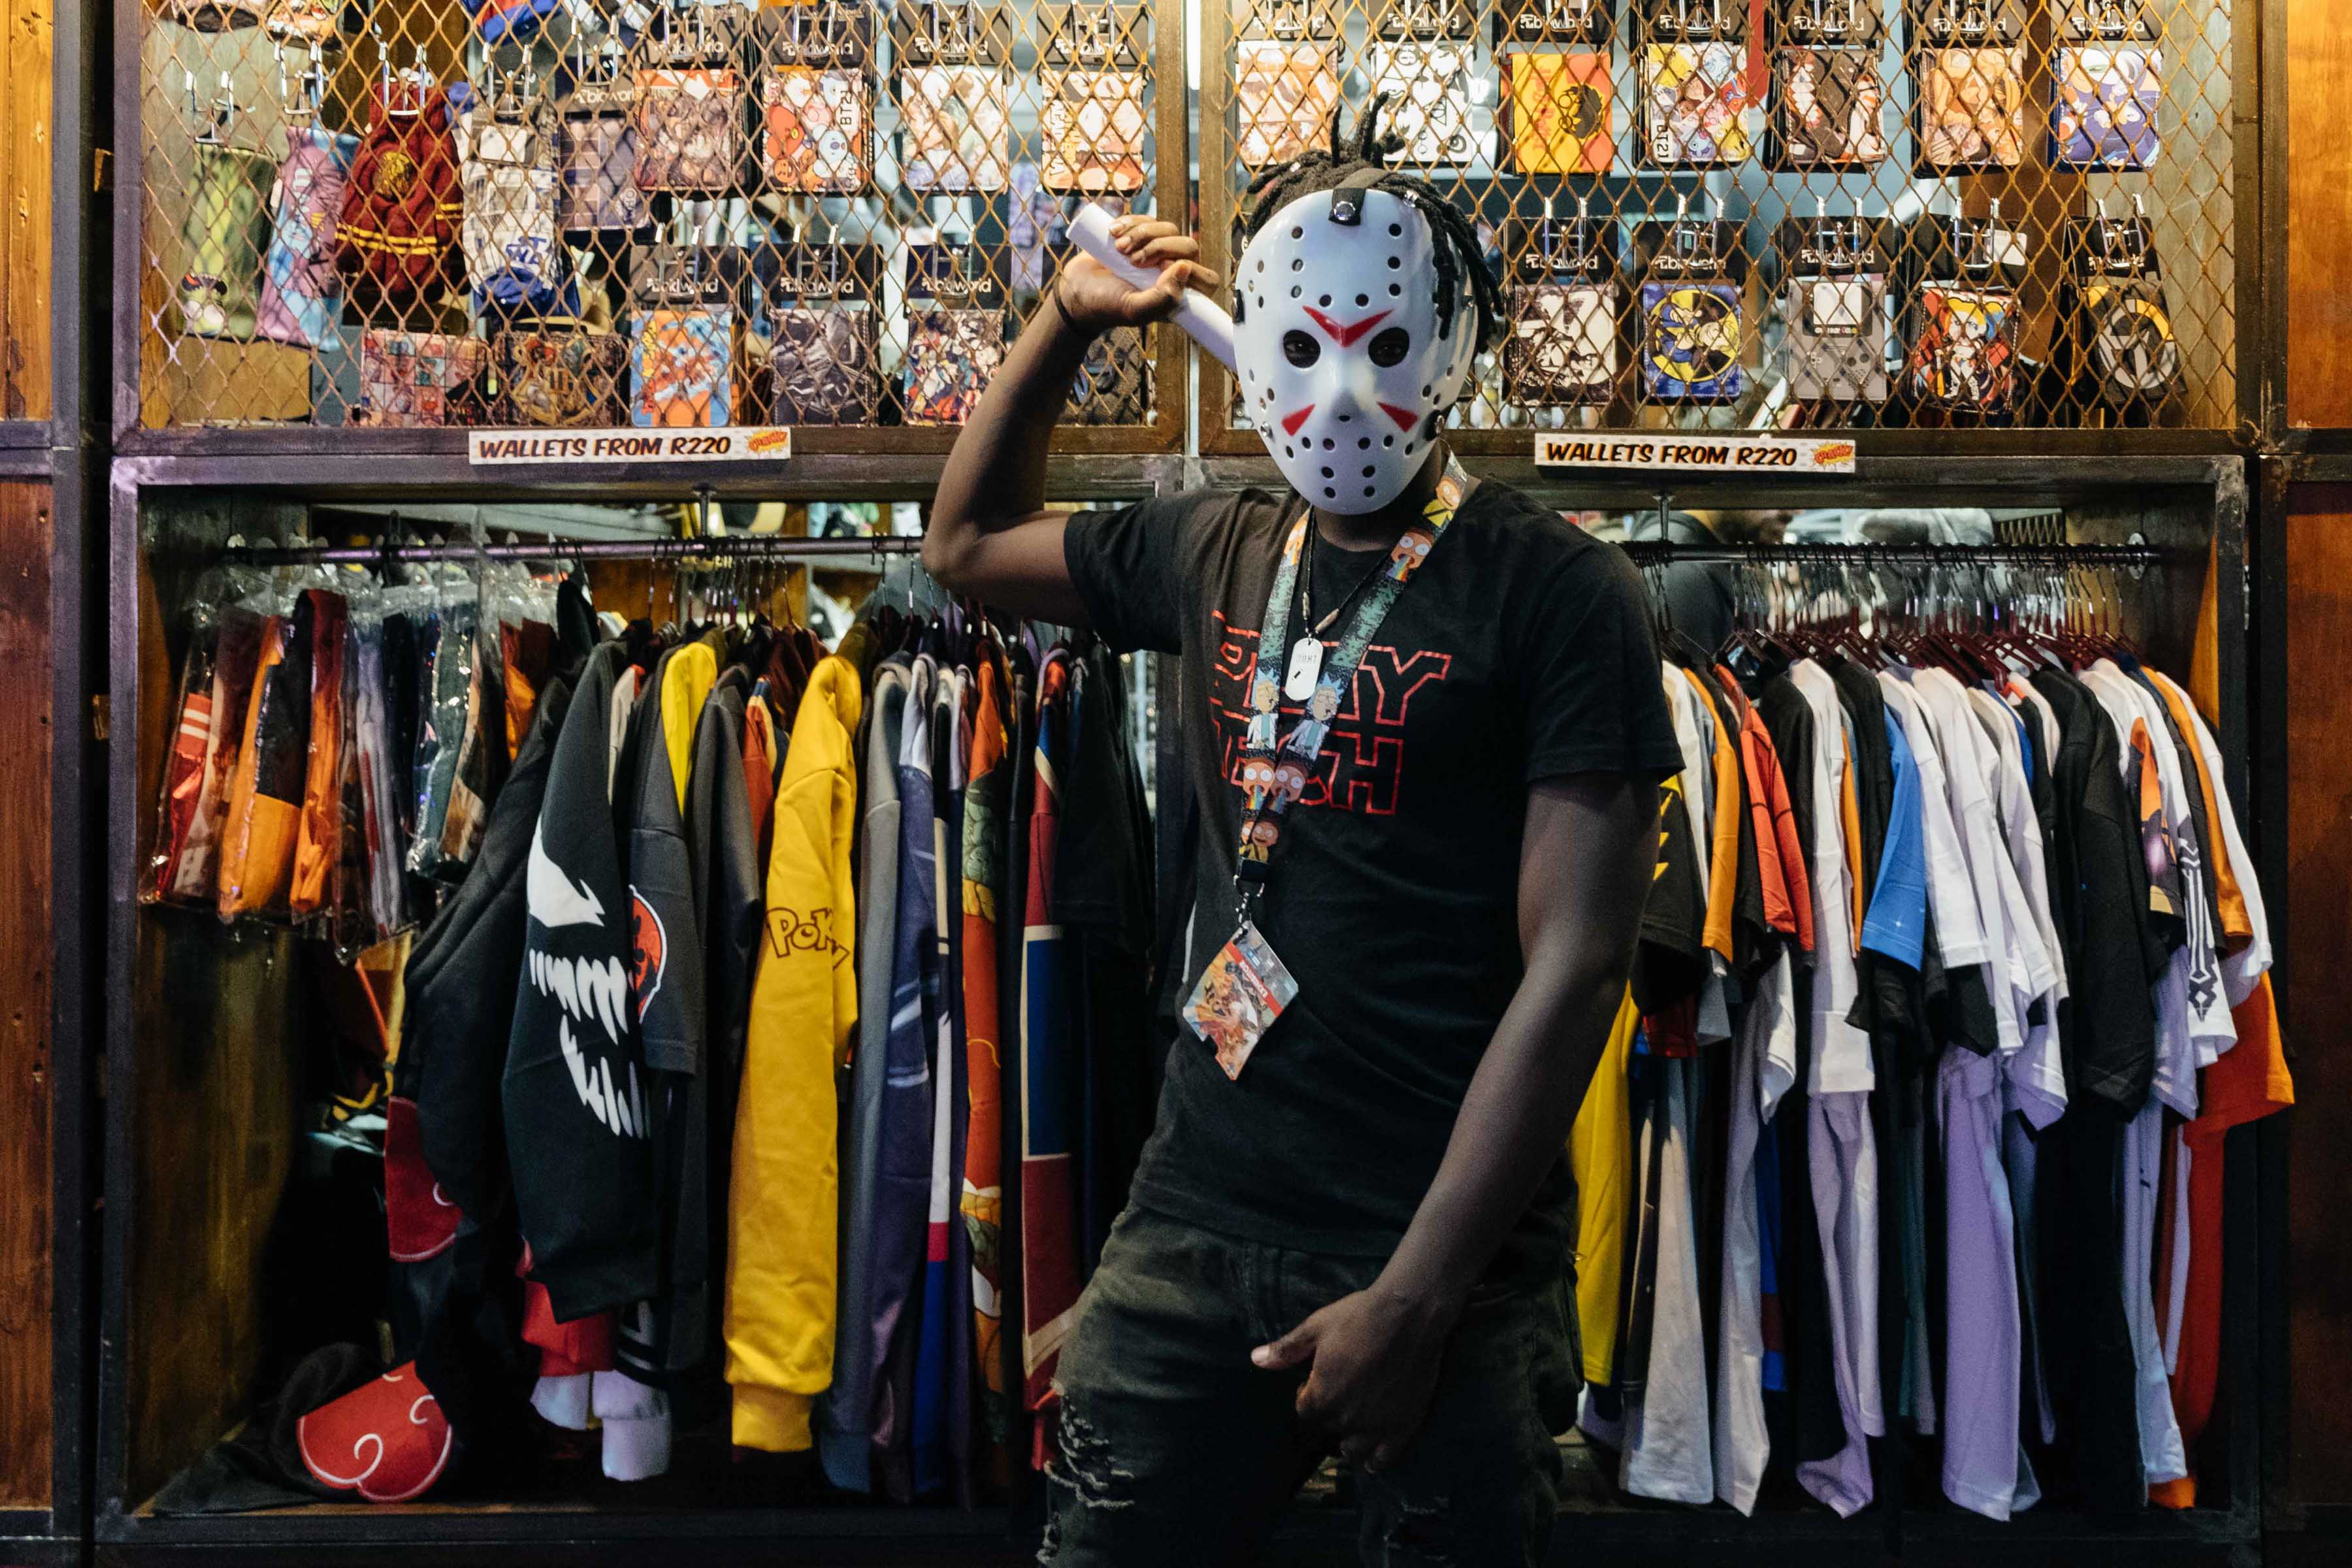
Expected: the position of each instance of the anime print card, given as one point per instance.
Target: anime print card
(1240, 994)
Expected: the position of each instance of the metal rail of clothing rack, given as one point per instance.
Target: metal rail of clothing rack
(772, 547)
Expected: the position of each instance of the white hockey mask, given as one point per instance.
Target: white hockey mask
(1342, 365)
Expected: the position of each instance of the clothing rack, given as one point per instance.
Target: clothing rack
(798, 550)
(1652, 551)
(791, 548)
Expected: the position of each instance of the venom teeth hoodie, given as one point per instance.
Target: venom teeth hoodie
(575, 1091)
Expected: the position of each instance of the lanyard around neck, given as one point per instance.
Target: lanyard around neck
(1274, 771)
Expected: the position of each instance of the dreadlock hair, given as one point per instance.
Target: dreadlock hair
(1460, 257)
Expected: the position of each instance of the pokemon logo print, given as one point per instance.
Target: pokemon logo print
(1360, 767)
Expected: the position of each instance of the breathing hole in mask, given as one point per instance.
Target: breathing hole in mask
(1299, 348)
(1395, 263)
(1395, 231)
(1325, 301)
(1364, 444)
(1298, 264)
(1389, 348)
(1329, 444)
(1395, 289)
(1363, 299)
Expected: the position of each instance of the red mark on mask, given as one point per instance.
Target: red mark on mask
(1405, 418)
(1347, 336)
(1291, 422)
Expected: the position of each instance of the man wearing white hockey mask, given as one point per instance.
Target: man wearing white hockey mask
(1423, 725)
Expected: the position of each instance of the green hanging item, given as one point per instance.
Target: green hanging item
(226, 231)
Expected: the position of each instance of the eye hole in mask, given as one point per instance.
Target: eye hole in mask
(1303, 351)
(1390, 347)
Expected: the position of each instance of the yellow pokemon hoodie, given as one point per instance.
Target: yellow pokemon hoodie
(782, 1208)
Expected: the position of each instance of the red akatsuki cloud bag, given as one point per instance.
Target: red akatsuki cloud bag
(386, 1439)
(419, 1218)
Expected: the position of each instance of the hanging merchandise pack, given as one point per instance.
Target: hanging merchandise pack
(816, 100)
(396, 240)
(265, 786)
(1286, 80)
(681, 357)
(1833, 314)
(1828, 105)
(1419, 58)
(2113, 325)
(1559, 99)
(559, 370)
(1964, 327)
(409, 380)
(507, 171)
(1692, 333)
(598, 162)
(301, 296)
(824, 359)
(1971, 84)
(1698, 102)
(955, 329)
(1090, 86)
(689, 104)
(954, 108)
(226, 229)
(1114, 384)
(1561, 346)
(2108, 73)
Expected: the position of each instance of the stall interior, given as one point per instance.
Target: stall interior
(808, 1201)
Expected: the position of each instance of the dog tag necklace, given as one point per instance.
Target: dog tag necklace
(1306, 667)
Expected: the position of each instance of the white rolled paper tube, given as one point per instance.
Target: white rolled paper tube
(1201, 317)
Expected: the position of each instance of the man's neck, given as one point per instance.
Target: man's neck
(1379, 529)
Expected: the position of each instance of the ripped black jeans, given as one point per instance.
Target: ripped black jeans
(1174, 1449)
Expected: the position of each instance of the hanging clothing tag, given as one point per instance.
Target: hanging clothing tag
(1240, 994)
(1305, 666)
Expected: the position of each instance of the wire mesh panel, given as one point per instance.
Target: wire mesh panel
(829, 213)
(1785, 214)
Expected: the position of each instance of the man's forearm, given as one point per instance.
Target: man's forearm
(1515, 1122)
(997, 472)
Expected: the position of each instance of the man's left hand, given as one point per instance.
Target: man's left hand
(1372, 1361)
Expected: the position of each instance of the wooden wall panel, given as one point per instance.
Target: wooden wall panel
(25, 152)
(26, 1233)
(2318, 999)
(2319, 213)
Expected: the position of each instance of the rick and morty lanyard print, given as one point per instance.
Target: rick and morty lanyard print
(1273, 777)
(1246, 985)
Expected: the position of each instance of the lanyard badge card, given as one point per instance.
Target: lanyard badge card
(826, 361)
(816, 103)
(688, 105)
(2113, 315)
(1971, 84)
(1698, 106)
(1834, 309)
(1559, 101)
(598, 157)
(1562, 349)
(681, 369)
(1964, 331)
(1286, 80)
(1093, 116)
(1246, 985)
(955, 329)
(1829, 106)
(1693, 337)
(955, 118)
(2108, 85)
(1421, 58)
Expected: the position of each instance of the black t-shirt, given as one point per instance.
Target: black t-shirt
(1521, 650)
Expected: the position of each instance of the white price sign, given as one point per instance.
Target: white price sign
(1720, 454)
(734, 443)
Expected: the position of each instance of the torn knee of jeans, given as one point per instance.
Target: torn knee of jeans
(1083, 1461)
(1422, 1532)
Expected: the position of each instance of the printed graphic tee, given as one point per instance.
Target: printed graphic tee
(1521, 650)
